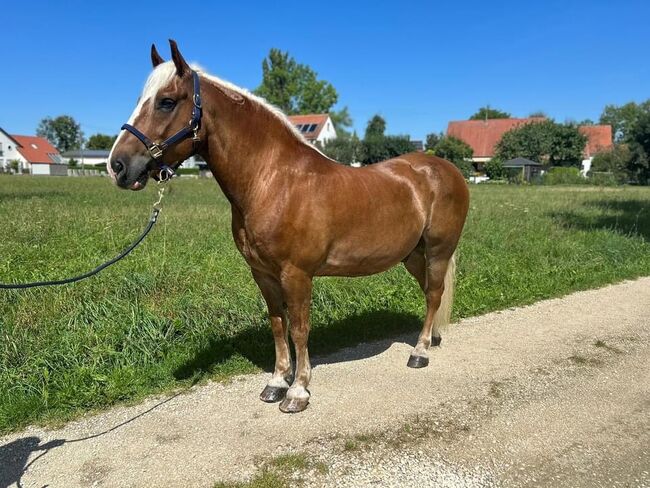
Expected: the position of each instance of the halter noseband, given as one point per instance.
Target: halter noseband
(157, 150)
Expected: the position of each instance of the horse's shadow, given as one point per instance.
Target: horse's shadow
(376, 330)
(331, 343)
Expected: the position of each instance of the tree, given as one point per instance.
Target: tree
(639, 140)
(341, 121)
(538, 114)
(456, 151)
(376, 127)
(545, 142)
(345, 148)
(432, 139)
(63, 132)
(489, 113)
(296, 89)
(100, 141)
(623, 118)
(615, 161)
(494, 169)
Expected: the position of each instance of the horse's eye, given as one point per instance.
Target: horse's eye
(166, 104)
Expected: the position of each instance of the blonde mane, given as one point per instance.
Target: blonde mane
(163, 74)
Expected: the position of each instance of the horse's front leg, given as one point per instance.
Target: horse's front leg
(278, 385)
(296, 287)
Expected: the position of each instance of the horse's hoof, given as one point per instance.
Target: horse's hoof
(294, 405)
(272, 394)
(418, 362)
(435, 341)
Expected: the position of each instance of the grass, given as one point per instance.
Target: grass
(183, 307)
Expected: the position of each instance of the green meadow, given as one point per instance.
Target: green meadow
(183, 307)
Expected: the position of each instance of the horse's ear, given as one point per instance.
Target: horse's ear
(181, 65)
(156, 58)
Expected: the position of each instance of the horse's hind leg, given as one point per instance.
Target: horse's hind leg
(435, 276)
(278, 385)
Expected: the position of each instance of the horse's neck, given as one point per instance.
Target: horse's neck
(248, 147)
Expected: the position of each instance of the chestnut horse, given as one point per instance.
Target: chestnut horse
(296, 213)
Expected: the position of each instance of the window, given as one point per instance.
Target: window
(305, 128)
(299, 127)
(312, 127)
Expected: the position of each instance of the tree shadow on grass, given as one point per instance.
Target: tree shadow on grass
(379, 328)
(625, 217)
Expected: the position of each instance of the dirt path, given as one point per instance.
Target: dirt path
(555, 394)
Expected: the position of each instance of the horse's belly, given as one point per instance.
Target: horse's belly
(360, 257)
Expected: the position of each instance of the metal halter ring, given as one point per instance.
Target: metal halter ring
(165, 174)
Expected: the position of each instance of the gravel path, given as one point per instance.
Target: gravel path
(554, 394)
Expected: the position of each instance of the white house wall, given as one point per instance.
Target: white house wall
(327, 133)
(40, 169)
(9, 152)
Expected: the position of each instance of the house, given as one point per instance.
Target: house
(8, 150)
(34, 154)
(87, 158)
(316, 128)
(599, 138)
(483, 135)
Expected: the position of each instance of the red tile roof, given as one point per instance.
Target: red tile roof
(599, 138)
(483, 135)
(317, 119)
(36, 149)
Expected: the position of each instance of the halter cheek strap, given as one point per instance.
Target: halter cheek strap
(157, 150)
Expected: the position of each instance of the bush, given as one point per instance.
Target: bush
(603, 178)
(563, 176)
(494, 169)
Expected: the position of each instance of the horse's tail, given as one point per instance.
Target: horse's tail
(443, 314)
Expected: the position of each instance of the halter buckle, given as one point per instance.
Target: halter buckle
(155, 151)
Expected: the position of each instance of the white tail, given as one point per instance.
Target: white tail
(443, 314)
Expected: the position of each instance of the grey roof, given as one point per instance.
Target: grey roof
(519, 162)
(87, 153)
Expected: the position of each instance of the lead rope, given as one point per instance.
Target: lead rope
(152, 220)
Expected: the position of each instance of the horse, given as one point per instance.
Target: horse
(297, 214)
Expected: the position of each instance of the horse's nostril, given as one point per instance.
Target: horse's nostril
(117, 165)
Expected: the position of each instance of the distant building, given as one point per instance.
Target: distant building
(34, 154)
(529, 169)
(314, 127)
(417, 146)
(483, 135)
(88, 158)
(599, 138)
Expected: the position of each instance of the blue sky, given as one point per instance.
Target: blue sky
(418, 64)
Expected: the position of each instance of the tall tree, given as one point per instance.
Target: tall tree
(432, 139)
(100, 141)
(376, 127)
(63, 132)
(296, 89)
(456, 151)
(623, 118)
(639, 140)
(545, 142)
(345, 148)
(488, 112)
